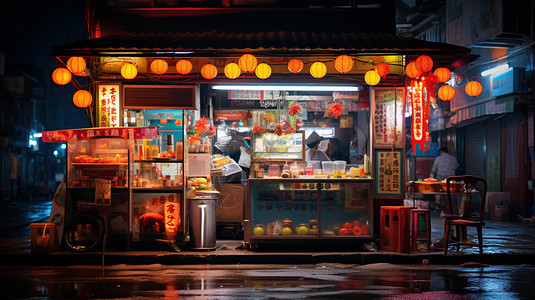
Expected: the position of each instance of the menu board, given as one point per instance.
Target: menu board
(388, 115)
(388, 172)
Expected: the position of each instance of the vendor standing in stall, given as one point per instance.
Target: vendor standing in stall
(313, 153)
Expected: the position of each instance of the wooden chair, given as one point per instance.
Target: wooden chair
(466, 217)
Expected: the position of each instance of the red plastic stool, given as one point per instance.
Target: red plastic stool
(395, 228)
(421, 230)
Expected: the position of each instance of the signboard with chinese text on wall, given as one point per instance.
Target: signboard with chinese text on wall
(388, 172)
(155, 214)
(108, 107)
(388, 117)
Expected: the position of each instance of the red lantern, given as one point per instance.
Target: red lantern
(159, 66)
(295, 65)
(208, 71)
(318, 69)
(473, 88)
(247, 62)
(82, 98)
(382, 69)
(424, 64)
(232, 70)
(446, 92)
(76, 64)
(184, 66)
(343, 63)
(442, 74)
(263, 71)
(61, 76)
(411, 71)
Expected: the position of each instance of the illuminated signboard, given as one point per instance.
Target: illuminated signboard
(108, 105)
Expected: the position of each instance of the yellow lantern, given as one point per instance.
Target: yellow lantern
(412, 71)
(82, 98)
(76, 64)
(184, 66)
(61, 76)
(129, 71)
(263, 71)
(424, 64)
(442, 74)
(232, 70)
(295, 65)
(209, 71)
(343, 63)
(446, 92)
(159, 66)
(372, 77)
(318, 69)
(247, 62)
(473, 88)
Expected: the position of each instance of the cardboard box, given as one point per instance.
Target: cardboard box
(47, 242)
(230, 204)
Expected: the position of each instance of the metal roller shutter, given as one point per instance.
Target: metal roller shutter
(474, 152)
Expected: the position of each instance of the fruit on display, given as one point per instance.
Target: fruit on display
(356, 223)
(348, 225)
(344, 231)
(258, 230)
(286, 231)
(365, 229)
(357, 230)
(302, 229)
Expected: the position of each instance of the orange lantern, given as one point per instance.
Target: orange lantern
(318, 69)
(424, 64)
(372, 77)
(446, 92)
(61, 76)
(184, 66)
(232, 70)
(247, 62)
(263, 71)
(295, 65)
(163, 121)
(412, 71)
(442, 74)
(82, 98)
(129, 71)
(208, 71)
(382, 69)
(343, 63)
(473, 88)
(76, 64)
(159, 66)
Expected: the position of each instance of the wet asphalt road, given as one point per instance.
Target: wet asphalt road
(323, 281)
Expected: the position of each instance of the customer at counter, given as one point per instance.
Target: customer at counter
(313, 153)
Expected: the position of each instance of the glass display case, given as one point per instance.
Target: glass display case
(270, 146)
(308, 208)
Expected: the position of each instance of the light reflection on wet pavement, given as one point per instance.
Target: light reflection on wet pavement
(322, 281)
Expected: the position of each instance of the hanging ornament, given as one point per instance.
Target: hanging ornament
(446, 92)
(318, 69)
(382, 69)
(247, 63)
(159, 66)
(232, 70)
(335, 110)
(184, 66)
(343, 63)
(473, 88)
(263, 71)
(442, 74)
(372, 77)
(82, 98)
(295, 65)
(209, 71)
(294, 109)
(420, 114)
(424, 64)
(128, 71)
(412, 71)
(76, 64)
(61, 76)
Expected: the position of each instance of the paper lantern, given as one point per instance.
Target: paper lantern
(473, 88)
(129, 71)
(446, 92)
(61, 76)
(295, 65)
(184, 66)
(159, 66)
(424, 64)
(343, 63)
(82, 98)
(442, 74)
(76, 64)
(232, 70)
(411, 71)
(208, 71)
(318, 69)
(372, 77)
(382, 69)
(247, 62)
(163, 121)
(263, 71)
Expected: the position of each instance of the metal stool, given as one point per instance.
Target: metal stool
(421, 229)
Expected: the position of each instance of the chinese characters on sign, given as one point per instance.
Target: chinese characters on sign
(108, 105)
(388, 172)
(172, 214)
(388, 117)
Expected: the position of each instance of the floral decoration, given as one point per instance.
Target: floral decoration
(294, 109)
(299, 123)
(258, 129)
(212, 130)
(278, 129)
(200, 126)
(269, 117)
(335, 110)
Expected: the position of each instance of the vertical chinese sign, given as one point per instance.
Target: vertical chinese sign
(388, 171)
(388, 116)
(108, 105)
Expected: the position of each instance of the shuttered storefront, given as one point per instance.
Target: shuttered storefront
(474, 154)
